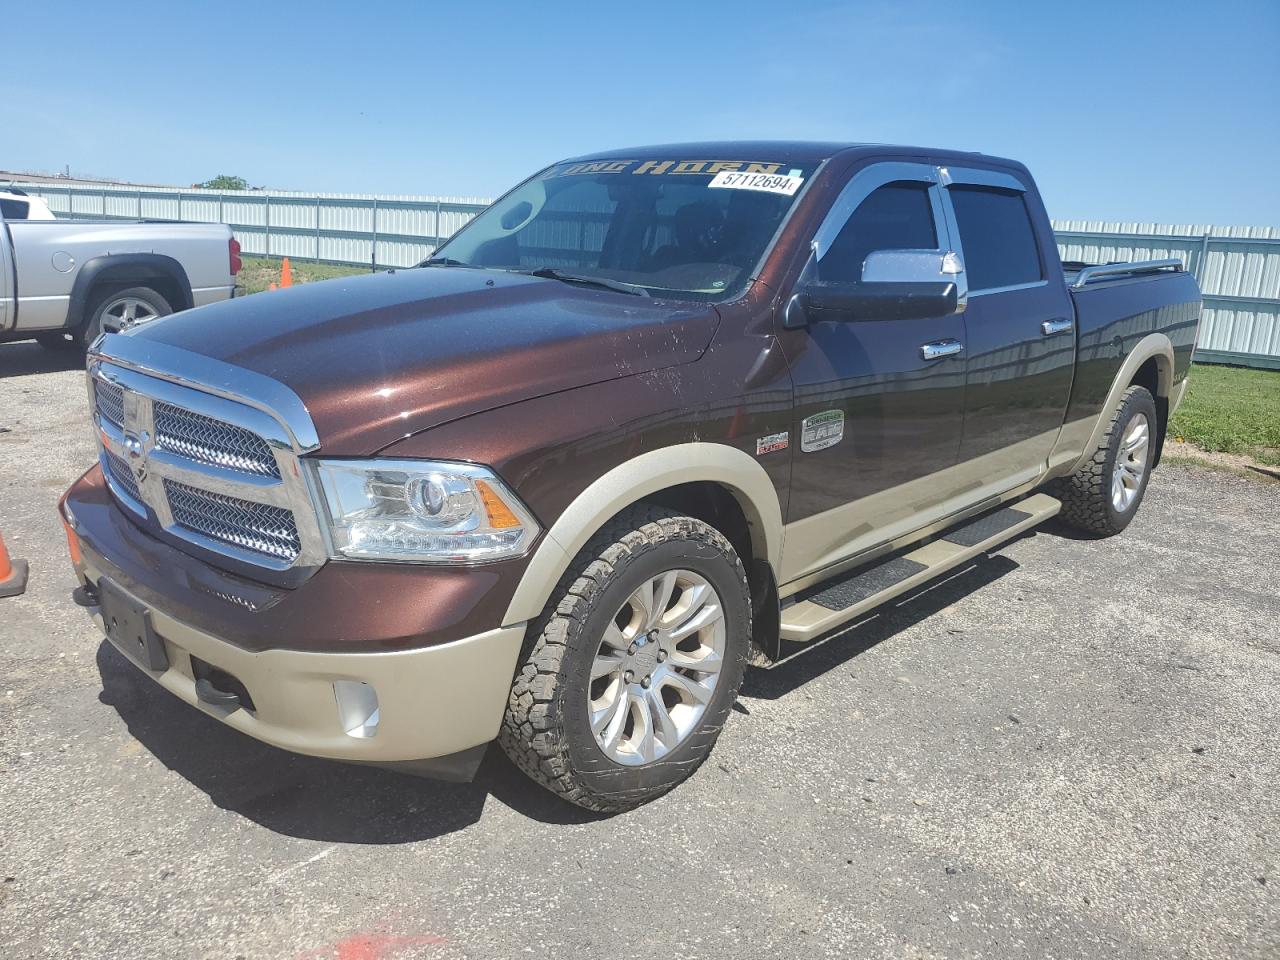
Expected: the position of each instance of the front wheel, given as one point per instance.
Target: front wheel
(1102, 497)
(633, 669)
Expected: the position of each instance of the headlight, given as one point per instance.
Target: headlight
(422, 511)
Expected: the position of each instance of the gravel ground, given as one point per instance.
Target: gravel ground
(1067, 750)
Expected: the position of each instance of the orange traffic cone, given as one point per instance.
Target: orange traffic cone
(13, 574)
(286, 274)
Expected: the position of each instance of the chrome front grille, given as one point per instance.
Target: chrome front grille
(216, 471)
(214, 442)
(109, 401)
(258, 527)
(121, 474)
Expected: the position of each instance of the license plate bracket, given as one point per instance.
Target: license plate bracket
(128, 626)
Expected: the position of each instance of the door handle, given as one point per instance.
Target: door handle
(939, 349)
(1050, 327)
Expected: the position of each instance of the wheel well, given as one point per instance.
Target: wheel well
(1148, 375)
(163, 284)
(104, 275)
(715, 504)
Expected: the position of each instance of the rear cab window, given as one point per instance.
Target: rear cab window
(996, 233)
(14, 209)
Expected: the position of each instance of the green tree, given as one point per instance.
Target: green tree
(224, 182)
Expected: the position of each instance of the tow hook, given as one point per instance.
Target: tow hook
(210, 694)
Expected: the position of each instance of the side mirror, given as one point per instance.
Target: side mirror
(895, 285)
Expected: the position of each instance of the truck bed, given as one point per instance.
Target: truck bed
(1117, 305)
(48, 258)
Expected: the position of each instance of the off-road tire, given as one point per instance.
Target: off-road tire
(546, 731)
(1086, 494)
(102, 301)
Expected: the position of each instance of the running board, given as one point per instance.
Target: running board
(834, 604)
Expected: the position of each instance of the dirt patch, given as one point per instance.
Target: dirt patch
(1176, 451)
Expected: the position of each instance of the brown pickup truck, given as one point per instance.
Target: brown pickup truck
(655, 414)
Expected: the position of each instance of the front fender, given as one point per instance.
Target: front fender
(634, 480)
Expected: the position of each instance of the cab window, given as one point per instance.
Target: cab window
(895, 216)
(995, 231)
(14, 209)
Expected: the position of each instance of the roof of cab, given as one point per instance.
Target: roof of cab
(780, 149)
(799, 150)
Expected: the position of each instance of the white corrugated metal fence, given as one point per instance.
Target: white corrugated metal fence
(1238, 269)
(365, 229)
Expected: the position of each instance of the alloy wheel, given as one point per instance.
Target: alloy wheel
(1131, 463)
(126, 312)
(657, 667)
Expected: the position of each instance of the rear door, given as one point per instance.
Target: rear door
(1021, 341)
(876, 423)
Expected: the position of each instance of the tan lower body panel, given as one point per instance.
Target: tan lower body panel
(806, 620)
(432, 702)
(812, 547)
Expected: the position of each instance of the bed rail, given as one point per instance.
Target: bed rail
(1137, 266)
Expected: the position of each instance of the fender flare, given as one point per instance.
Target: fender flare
(631, 482)
(1156, 345)
(136, 266)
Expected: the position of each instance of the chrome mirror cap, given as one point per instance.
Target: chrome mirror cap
(917, 266)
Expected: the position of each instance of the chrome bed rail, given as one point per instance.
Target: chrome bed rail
(1137, 266)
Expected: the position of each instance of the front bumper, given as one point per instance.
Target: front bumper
(432, 701)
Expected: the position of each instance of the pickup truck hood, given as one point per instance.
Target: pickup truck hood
(380, 357)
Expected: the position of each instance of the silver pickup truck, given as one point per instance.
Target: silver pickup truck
(63, 282)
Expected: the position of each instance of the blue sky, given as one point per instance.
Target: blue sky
(1164, 111)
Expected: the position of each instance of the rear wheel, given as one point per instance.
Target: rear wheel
(1102, 497)
(632, 671)
(120, 310)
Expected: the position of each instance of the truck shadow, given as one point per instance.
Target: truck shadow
(1057, 527)
(317, 799)
(27, 357)
(308, 797)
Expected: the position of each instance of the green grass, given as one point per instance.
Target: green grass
(1231, 410)
(258, 273)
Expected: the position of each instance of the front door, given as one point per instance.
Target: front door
(877, 420)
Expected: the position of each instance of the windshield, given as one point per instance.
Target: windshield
(691, 229)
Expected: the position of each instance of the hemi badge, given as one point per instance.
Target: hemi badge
(772, 443)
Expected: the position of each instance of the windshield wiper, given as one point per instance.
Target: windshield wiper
(551, 273)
